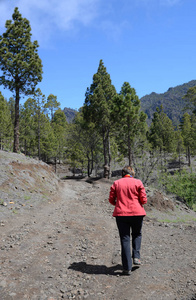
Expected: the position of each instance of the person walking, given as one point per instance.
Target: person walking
(128, 195)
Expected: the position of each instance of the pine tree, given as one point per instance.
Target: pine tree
(186, 130)
(179, 145)
(33, 126)
(19, 62)
(97, 109)
(5, 124)
(59, 125)
(40, 100)
(130, 121)
(190, 98)
(162, 133)
(75, 154)
(11, 105)
(86, 134)
(28, 133)
(193, 133)
(52, 105)
(47, 139)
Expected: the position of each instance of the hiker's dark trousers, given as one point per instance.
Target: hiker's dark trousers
(125, 224)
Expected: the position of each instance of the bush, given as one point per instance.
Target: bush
(183, 184)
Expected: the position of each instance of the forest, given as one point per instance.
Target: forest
(109, 130)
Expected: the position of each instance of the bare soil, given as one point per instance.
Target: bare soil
(58, 240)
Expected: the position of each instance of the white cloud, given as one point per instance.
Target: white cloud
(46, 16)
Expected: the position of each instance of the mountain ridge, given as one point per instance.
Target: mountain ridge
(172, 102)
(69, 113)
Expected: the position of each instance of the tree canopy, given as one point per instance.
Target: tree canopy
(19, 63)
(128, 119)
(190, 98)
(97, 108)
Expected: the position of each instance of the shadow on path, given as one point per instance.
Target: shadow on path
(97, 269)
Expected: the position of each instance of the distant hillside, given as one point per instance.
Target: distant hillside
(69, 113)
(171, 100)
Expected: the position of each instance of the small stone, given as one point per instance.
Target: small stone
(12, 294)
(50, 243)
(3, 284)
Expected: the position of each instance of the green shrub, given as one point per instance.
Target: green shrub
(183, 184)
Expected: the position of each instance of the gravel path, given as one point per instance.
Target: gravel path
(69, 248)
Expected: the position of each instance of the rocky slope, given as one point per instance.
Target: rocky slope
(24, 182)
(63, 243)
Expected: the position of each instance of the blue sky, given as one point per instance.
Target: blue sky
(149, 43)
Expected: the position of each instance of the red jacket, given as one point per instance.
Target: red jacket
(128, 195)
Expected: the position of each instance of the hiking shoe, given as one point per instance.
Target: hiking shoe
(136, 261)
(126, 272)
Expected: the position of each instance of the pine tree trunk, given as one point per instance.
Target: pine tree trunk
(88, 165)
(161, 160)
(129, 142)
(105, 149)
(186, 153)
(129, 152)
(55, 163)
(25, 147)
(39, 152)
(105, 146)
(110, 158)
(189, 156)
(92, 161)
(16, 123)
(179, 160)
(165, 162)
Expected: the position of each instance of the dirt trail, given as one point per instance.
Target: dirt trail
(69, 249)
